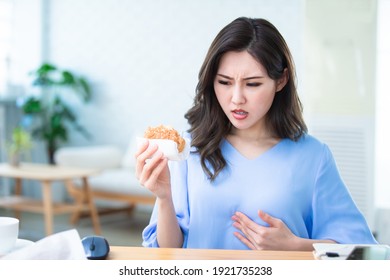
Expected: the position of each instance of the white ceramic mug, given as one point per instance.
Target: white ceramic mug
(9, 231)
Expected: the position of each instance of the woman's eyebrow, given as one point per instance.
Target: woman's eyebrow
(248, 78)
(224, 76)
(254, 77)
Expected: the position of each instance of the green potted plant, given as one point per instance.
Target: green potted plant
(19, 145)
(53, 116)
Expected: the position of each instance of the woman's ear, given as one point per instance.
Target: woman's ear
(282, 81)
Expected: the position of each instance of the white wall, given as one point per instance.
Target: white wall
(340, 61)
(382, 148)
(143, 57)
(382, 128)
(25, 42)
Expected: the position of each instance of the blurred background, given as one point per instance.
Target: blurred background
(141, 60)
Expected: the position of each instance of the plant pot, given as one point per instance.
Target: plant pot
(14, 160)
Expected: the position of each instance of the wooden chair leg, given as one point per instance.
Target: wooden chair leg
(18, 192)
(91, 206)
(78, 197)
(131, 208)
(48, 207)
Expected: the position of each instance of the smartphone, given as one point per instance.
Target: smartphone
(376, 252)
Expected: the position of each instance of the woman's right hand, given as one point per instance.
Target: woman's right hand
(153, 173)
(152, 170)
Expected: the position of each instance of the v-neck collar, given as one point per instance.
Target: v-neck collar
(235, 152)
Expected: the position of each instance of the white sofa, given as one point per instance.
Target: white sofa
(116, 186)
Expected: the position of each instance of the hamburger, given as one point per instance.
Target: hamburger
(168, 133)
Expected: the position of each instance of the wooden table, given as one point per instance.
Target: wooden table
(141, 253)
(46, 174)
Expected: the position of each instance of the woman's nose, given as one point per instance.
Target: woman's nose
(238, 95)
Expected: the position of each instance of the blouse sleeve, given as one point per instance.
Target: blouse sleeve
(335, 215)
(178, 173)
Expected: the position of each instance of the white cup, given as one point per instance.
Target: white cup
(9, 231)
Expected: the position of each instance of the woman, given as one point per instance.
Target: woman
(254, 179)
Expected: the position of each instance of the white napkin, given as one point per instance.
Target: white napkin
(64, 245)
(169, 148)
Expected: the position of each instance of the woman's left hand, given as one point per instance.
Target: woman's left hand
(275, 237)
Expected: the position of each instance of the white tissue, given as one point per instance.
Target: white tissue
(64, 245)
(169, 148)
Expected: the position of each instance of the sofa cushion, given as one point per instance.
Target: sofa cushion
(128, 159)
(120, 180)
(100, 157)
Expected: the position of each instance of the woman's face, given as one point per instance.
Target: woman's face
(244, 90)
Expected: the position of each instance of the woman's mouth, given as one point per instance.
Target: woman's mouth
(239, 114)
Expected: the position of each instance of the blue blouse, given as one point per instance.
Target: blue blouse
(297, 182)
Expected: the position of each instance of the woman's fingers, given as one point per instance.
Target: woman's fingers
(272, 221)
(244, 240)
(144, 152)
(248, 223)
(249, 228)
(150, 167)
(142, 147)
(155, 174)
(274, 236)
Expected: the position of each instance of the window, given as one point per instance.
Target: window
(6, 16)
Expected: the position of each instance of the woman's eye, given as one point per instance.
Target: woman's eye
(253, 84)
(223, 82)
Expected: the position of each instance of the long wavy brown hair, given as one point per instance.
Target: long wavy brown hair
(208, 123)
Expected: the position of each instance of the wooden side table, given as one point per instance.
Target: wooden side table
(46, 174)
